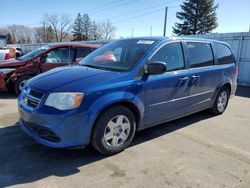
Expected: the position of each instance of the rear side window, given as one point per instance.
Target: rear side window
(200, 54)
(224, 54)
(172, 55)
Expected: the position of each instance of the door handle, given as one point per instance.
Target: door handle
(183, 78)
(181, 81)
(196, 76)
(194, 79)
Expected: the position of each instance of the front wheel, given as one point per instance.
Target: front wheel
(114, 130)
(221, 102)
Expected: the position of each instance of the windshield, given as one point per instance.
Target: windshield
(121, 55)
(34, 53)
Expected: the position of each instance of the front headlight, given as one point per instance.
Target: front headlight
(6, 71)
(64, 101)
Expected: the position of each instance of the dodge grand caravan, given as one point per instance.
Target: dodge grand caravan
(126, 86)
(14, 73)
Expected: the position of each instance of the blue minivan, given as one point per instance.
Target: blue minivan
(126, 86)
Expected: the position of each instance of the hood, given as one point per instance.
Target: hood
(11, 63)
(70, 79)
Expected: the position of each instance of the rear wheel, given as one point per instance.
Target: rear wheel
(221, 102)
(20, 84)
(114, 130)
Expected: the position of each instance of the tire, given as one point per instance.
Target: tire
(19, 84)
(10, 88)
(114, 130)
(221, 102)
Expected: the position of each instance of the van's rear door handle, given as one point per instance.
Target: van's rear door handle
(194, 79)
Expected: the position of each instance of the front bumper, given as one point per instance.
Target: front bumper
(63, 130)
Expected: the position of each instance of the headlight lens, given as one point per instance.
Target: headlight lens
(64, 101)
(6, 71)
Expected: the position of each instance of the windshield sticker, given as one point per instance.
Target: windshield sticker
(145, 42)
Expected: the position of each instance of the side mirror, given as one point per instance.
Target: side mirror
(156, 67)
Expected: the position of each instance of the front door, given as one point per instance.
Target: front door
(166, 93)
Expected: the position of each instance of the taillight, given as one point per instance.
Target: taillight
(7, 56)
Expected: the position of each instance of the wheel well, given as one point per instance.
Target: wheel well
(129, 105)
(228, 86)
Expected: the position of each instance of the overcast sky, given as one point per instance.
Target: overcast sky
(141, 15)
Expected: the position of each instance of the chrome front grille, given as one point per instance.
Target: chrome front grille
(31, 97)
(36, 94)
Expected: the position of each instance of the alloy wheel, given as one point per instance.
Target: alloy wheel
(222, 101)
(117, 131)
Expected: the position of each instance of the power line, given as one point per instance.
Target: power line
(108, 8)
(141, 10)
(141, 15)
(104, 5)
(158, 10)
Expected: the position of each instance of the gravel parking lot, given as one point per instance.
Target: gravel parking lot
(200, 150)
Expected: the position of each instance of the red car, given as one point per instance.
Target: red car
(14, 73)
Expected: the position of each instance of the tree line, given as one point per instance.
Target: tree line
(58, 28)
(195, 17)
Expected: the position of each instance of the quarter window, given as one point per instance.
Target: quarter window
(172, 55)
(200, 54)
(223, 53)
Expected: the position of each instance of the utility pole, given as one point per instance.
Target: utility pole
(165, 21)
(45, 39)
(132, 32)
(151, 31)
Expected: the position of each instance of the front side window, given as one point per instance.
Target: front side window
(172, 55)
(58, 55)
(121, 55)
(223, 53)
(200, 54)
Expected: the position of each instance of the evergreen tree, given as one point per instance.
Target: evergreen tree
(197, 17)
(78, 28)
(86, 27)
(95, 35)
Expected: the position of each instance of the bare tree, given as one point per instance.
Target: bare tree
(20, 34)
(60, 24)
(107, 30)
